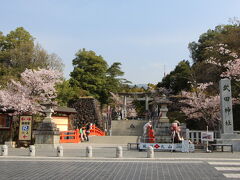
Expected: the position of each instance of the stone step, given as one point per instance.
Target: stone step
(128, 127)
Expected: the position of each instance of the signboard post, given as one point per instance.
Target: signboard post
(25, 128)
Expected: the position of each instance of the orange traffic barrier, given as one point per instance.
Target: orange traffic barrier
(70, 136)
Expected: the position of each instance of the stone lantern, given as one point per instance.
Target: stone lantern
(164, 102)
(47, 134)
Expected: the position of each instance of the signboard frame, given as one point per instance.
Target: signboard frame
(25, 128)
(207, 136)
(166, 147)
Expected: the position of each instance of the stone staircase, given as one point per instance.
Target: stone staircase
(102, 142)
(128, 127)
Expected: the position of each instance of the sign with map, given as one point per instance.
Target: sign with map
(207, 136)
(25, 128)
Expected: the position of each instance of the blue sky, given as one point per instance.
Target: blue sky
(144, 35)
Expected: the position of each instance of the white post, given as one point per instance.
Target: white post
(60, 151)
(150, 152)
(4, 150)
(32, 150)
(119, 152)
(207, 150)
(89, 151)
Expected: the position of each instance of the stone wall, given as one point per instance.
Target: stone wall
(88, 110)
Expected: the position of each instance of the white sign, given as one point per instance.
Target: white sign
(207, 136)
(159, 146)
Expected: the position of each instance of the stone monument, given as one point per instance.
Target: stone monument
(47, 134)
(227, 133)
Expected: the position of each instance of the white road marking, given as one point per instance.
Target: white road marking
(224, 163)
(227, 168)
(232, 175)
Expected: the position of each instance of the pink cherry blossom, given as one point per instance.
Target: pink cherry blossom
(202, 106)
(34, 88)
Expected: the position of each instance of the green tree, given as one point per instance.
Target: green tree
(115, 82)
(178, 79)
(66, 93)
(216, 45)
(92, 74)
(89, 74)
(18, 52)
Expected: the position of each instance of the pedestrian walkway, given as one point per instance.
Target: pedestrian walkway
(109, 151)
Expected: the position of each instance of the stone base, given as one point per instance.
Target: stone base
(163, 132)
(233, 139)
(47, 139)
(47, 134)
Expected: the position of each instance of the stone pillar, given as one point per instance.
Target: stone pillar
(226, 106)
(227, 134)
(146, 102)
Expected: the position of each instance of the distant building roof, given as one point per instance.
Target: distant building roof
(64, 109)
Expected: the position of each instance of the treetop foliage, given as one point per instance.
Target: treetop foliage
(18, 52)
(92, 74)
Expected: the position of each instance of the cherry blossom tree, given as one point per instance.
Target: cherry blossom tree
(231, 67)
(34, 88)
(200, 105)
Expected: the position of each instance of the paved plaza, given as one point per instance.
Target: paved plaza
(134, 164)
(55, 168)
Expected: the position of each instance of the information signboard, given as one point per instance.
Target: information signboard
(25, 128)
(207, 136)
